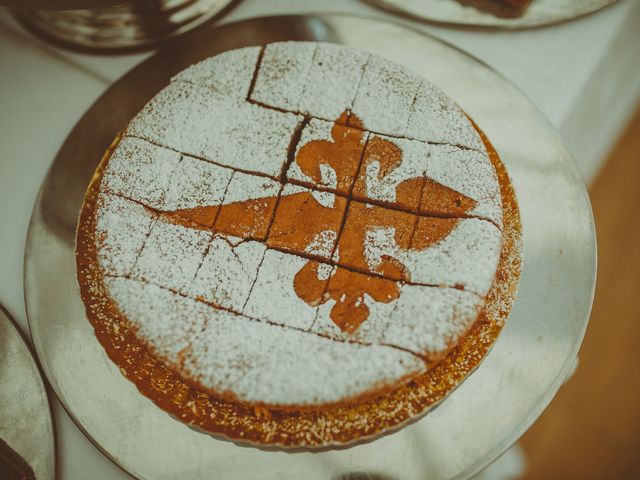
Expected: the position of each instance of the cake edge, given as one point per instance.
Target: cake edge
(176, 394)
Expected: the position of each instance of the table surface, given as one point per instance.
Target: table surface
(569, 71)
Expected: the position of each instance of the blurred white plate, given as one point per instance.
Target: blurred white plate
(25, 417)
(539, 13)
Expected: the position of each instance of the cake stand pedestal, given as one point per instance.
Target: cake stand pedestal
(476, 424)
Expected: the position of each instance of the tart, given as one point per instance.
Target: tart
(300, 245)
(500, 8)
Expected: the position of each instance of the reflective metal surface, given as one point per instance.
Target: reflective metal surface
(539, 13)
(60, 4)
(123, 25)
(485, 415)
(25, 417)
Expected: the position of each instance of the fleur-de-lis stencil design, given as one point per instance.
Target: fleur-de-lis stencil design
(350, 287)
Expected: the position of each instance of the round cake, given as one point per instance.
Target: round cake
(300, 244)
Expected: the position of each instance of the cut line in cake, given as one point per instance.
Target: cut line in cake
(380, 329)
(249, 207)
(161, 259)
(258, 141)
(438, 170)
(239, 79)
(386, 254)
(214, 306)
(300, 82)
(229, 328)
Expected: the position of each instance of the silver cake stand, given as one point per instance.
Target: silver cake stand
(25, 417)
(107, 26)
(481, 419)
(539, 13)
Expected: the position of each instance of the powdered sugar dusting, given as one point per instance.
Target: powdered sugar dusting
(273, 297)
(332, 81)
(328, 176)
(140, 171)
(322, 244)
(379, 241)
(370, 331)
(382, 187)
(117, 253)
(196, 183)
(194, 120)
(243, 187)
(167, 320)
(325, 199)
(385, 97)
(467, 257)
(248, 359)
(437, 118)
(227, 75)
(424, 320)
(470, 173)
(283, 73)
(325, 271)
(316, 130)
(171, 255)
(429, 321)
(228, 272)
(276, 365)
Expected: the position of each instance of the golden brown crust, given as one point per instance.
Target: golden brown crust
(386, 408)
